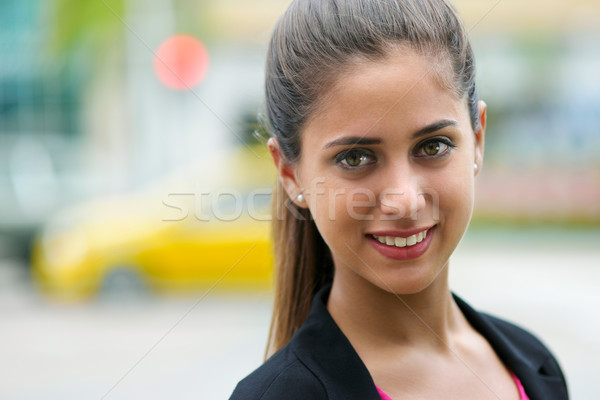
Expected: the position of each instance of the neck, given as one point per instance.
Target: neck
(374, 319)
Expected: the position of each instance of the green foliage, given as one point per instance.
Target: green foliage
(94, 25)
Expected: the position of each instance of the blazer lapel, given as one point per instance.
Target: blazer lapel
(326, 351)
(521, 353)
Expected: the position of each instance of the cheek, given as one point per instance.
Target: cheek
(331, 218)
(338, 213)
(359, 204)
(334, 201)
(455, 191)
(341, 206)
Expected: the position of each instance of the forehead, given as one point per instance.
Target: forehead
(405, 89)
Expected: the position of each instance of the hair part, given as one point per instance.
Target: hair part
(312, 45)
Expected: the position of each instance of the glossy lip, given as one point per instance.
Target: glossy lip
(402, 253)
(402, 234)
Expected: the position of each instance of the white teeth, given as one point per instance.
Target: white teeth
(402, 242)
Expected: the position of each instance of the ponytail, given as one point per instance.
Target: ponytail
(303, 265)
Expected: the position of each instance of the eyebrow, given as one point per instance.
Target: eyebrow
(352, 140)
(360, 140)
(436, 126)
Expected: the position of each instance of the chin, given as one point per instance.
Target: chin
(405, 286)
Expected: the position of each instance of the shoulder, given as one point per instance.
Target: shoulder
(283, 376)
(522, 352)
(519, 336)
(527, 345)
(318, 363)
(506, 337)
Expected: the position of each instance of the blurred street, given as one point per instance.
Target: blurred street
(135, 346)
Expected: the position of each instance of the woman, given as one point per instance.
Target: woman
(377, 135)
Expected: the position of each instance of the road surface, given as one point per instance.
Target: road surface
(198, 347)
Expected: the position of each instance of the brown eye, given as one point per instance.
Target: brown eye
(434, 148)
(431, 148)
(355, 158)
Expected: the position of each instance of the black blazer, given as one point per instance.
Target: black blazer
(320, 363)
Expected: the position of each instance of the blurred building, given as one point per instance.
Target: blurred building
(39, 120)
(82, 113)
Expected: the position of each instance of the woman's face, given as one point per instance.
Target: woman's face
(389, 157)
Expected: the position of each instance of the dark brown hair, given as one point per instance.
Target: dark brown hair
(313, 42)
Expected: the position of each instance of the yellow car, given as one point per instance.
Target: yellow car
(174, 237)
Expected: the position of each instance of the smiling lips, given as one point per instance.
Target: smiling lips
(398, 246)
(402, 241)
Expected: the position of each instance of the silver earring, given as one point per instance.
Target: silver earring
(300, 198)
(475, 167)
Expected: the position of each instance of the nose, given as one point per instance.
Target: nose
(403, 193)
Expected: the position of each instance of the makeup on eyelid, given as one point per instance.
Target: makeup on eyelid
(443, 148)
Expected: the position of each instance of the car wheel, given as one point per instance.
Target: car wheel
(123, 282)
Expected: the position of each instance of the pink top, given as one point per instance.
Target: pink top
(522, 394)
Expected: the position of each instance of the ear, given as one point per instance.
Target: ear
(287, 172)
(480, 136)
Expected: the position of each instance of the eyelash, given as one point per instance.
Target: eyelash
(366, 154)
(445, 141)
